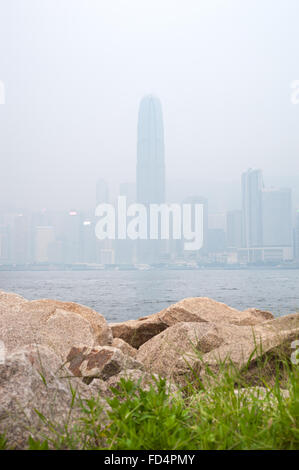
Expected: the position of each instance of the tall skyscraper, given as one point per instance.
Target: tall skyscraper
(150, 172)
(252, 185)
(150, 152)
(267, 220)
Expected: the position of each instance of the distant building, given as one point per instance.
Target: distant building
(277, 217)
(234, 229)
(201, 200)
(216, 240)
(44, 236)
(252, 185)
(265, 255)
(56, 252)
(150, 170)
(107, 256)
(150, 178)
(267, 221)
(72, 236)
(21, 243)
(277, 240)
(87, 251)
(217, 220)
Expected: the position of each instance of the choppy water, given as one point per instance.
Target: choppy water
(122, 295)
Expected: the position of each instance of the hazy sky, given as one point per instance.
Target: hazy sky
(75, 71)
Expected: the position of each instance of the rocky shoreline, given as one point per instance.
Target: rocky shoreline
(53, 348)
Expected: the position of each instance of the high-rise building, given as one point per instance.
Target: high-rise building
(21, 239)
(44, 236)
(72, 236)
(216, 240)
(150, 152)
(267, 221)
(277, 217)
(87, 240)
(201, 200)
(252, 185)
(217, 220)
(150, 171)
(57, 252)
(234, 229)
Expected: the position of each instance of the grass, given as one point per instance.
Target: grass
(249, 409)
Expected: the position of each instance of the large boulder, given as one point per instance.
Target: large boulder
(187, 348)
(64, 330)
(246, 344)
(268, 350)
(194, 309)
(203, 309)
(99, 362)
(170, 353)
(36, 398)
(99, 325)
(60, 325)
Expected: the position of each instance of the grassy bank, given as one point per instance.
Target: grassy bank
(255, 408)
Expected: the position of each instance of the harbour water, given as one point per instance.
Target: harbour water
(123, 295)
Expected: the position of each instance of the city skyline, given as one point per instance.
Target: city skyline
(261, 228)
(60, 237)
(72, 99)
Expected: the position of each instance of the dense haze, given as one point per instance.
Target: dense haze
(76, 70)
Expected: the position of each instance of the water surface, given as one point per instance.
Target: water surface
(122, 295)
